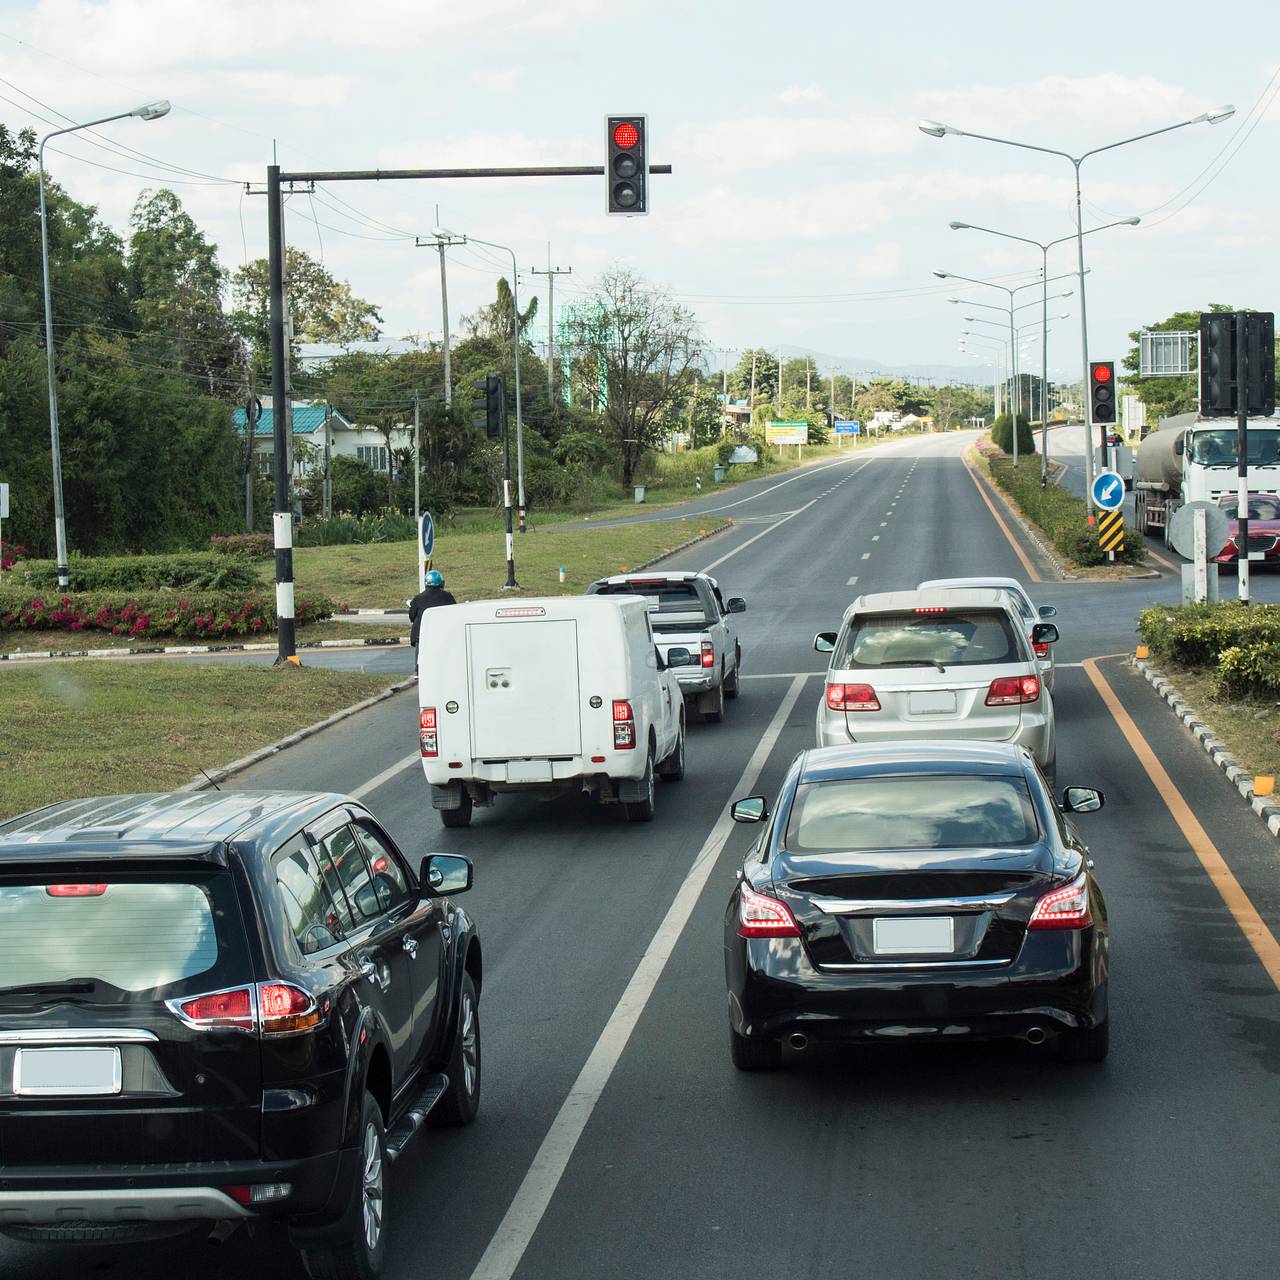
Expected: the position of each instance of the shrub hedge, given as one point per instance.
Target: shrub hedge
(185, 571)
(208, 615)
(257, 546)
(1249, 670)
(1002, 434)
(1198, 635)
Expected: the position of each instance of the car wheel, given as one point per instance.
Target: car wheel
(460, 1102)
(732, 684)
(1084, 1045)
(672, 768)
(359, 1255)
(754, 1053)
(711, 704)
(461, 816)
(643, 810)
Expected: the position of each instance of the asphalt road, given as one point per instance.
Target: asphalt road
(919, 1161)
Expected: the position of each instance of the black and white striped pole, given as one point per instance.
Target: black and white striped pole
(282, 516)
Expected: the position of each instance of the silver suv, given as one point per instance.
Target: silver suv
(946, 663)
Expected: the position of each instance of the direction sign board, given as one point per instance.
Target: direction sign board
(786, 433)
(847, 426)
(1111, 531)
(426, 544)
(1108, 490)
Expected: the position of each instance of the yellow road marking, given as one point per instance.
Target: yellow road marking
(1164, 560)
(1004, 528)
(1246, 915)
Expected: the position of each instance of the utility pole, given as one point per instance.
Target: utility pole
(282, 517)
(753, 381)
(808, 384)
(551, 274)
(779, 401)
(417, 443)
(442, 243)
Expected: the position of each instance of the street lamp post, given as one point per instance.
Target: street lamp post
(441, 233)
(1044, 346)
(936, 130)
(148, 111)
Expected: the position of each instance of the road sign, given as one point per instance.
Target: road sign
(4, 501)
(847, 426)
(427, 544)
(786, 433)
(1108, 490)
(1182, 528)
(1111, 531)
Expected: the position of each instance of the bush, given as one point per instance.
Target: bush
(208, 615)
(1201, 635)
(341, 530)
(10, 554)
(1249, 671)
(257, 546)
(1002, 434)
(186, 571)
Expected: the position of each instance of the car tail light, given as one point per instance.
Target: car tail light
(428, 738)
(852, 697)
(624, 725)
(218, 1010)
(931, 608)
(760, 916)
(1042, 649)
(708, 654)
(1066, 908)
(285, 1010)
(75, 890)
(259, 1193)
(1010, 691)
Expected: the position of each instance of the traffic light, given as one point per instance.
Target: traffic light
(1218, 363)
(626, 170)
(1102, 390)
(489, 408)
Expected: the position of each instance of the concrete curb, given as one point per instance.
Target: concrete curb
(1266, 808)
(203, 782)
(354, 643)
(368, 613)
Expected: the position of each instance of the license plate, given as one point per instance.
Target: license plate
(66, 1072)
(528, 770)
(933, 702)
(913, 935)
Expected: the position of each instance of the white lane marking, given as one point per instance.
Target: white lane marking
(784, 675)
(866, 555)
(521, 1220)
(385, 776)
(852, 581)
(884, 524)
(875, 537)
(730, 554)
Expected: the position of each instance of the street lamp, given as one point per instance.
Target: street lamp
(935, 129)
(1044, 350)
(443, 233)
(148, 111)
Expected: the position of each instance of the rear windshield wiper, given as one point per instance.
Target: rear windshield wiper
(72, 986)
(919, 662)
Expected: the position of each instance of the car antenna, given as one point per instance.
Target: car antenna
(210, 781)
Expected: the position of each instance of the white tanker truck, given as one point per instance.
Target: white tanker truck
(1193, 459)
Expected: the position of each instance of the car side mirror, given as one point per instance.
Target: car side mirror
(1044, 633)
(679, 657)
(1048, 611)
(736, 604)
(825, 641)
(1082, 800)
(750, 809)
(445, 873)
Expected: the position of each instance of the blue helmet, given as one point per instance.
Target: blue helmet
(434, 578)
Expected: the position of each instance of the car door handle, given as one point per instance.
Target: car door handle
(410, 944)
(369, 970)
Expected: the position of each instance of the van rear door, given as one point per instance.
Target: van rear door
(525, 690)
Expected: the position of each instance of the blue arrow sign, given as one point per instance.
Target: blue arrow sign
(1108, 491)
(426, 534)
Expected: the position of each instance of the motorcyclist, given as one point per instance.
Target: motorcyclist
(431, 596)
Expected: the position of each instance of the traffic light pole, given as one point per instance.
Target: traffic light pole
(511, 583)
(1242, 451)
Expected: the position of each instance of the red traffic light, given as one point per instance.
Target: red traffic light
(625, 135)
(1101, 373)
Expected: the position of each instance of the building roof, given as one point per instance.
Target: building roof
(307, 420)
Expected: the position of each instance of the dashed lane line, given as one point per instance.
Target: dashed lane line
(866, 555)
(381, 779)
(533, 1196)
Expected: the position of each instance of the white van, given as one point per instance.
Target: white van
(547, 696)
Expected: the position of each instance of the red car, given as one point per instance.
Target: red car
(1264, 529)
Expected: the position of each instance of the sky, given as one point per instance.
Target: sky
(806, 210)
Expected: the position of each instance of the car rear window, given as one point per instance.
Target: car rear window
(134, 935)
(953, 637)
(929, 812)
(672, 598)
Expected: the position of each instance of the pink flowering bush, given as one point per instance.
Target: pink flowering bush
(10, 554)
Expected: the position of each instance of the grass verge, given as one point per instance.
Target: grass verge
(77, 641)
(369, 575)
(1248, 727)
(88, 728)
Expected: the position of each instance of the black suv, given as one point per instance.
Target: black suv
(216, 1006)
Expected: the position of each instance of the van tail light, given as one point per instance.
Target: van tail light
(852, 697)
(1066, 908)
(708, 654)
(624, 725)
(1010, 691)
(1042, 649)
(75, 890)
(267, 1009)
(760, 916)
(428, 737)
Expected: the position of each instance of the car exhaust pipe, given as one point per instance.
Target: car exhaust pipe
(1035, 1035)
(798, 1041)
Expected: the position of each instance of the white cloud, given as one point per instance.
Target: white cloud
(757, 142)
(801, 93)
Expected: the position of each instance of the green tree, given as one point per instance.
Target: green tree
(496, 320)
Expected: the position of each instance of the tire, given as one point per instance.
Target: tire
(1089, 1045)
(672, 768)
(360, 1255)
(732, 686)
(461, 816)
(643, 810)
(754, 1053)
(460, 1102)
(711, 704)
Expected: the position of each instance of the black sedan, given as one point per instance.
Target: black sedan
(930, 891)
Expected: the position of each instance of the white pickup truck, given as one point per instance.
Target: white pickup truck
(547, 696)
(689, 613)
